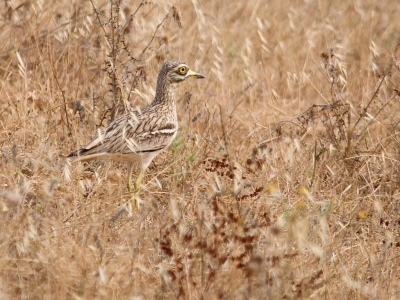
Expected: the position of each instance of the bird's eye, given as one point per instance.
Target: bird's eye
(182, 70)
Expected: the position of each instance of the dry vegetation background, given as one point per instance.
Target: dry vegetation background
(282, 184)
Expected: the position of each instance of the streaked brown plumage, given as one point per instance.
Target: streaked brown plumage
(139, 136)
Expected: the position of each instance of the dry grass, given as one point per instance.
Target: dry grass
(261, 196)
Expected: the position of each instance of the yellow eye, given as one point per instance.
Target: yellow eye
(182, 70)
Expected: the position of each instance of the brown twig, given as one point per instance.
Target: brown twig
(64, 104)
(98, 19)
(154, 34)
(131, 16)
(135, 82)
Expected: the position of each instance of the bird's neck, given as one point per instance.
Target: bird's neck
(165, 93)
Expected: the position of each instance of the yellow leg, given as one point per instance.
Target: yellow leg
(138, 181)
(134, 189)
(129, 185)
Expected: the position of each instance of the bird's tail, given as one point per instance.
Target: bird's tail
(74, 154)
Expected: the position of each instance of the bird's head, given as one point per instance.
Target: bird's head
(176, 72)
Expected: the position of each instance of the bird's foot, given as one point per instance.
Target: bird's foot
(134, 193)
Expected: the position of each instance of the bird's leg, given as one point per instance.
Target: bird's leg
(132, 188)
(129, 185)
(139, 180)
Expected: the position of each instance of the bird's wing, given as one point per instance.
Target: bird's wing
(130, 133)
(150, 136)
(111, 139)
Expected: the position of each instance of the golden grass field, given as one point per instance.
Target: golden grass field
(283, 182)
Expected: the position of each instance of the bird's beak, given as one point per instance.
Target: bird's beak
(194, 74)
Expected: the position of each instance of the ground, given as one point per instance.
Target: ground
(283, 182)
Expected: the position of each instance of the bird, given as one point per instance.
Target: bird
(140, 135)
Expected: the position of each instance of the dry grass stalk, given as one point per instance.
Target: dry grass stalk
(307, 149)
